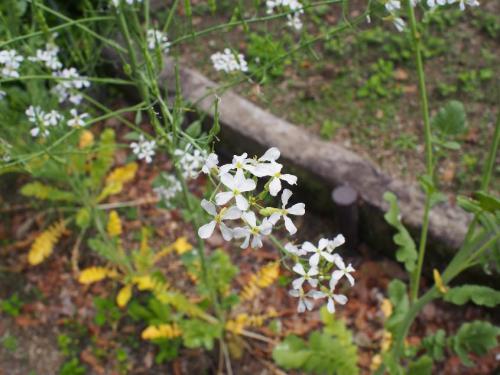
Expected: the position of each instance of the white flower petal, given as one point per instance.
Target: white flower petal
(285, 197)
(298, 209)
(209, 207)
(232, 213)
(223, 197)
(330, 306)
(309, 247)
(297, 283)
(249, 218)
(206, 230)
(340, 298)
(227, 233)
(290, 227)
(299, 268)
(241, 202)
(271, 154)
(290, 178)
(275, 186)
(350, 278)
(314, 260)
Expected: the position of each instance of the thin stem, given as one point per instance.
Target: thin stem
(490, 162)
(417, 45)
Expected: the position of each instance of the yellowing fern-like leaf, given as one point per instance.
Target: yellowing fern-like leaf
(94, 274)
(147, 282)
(123, 174)
(238, 324)
(114, 226)
(265, 277)
(45, 242)
(86, 139)
(168, 331)
(181, 245)
(46, 192)
(124, 295)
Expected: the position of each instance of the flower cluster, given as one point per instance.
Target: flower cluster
(42, 120)
(294, 6)
(229, 62)
(116, 3)
(169, 189)
(48, 57)
(237, 209)
(394, 6)
(10, 61)
(67, 88)
(157, 38)
(317, 268)
(144, 149)
(191, 161)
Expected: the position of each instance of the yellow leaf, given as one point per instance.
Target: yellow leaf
(124, 295)
(45, 242)
(114, 226)
(386, 307)
(111, 189)
(181, 245)
(264, 278)
(94, 274)
(123, 174)
(147, 282)
(86, 139)
(168, 331)
(439, 282)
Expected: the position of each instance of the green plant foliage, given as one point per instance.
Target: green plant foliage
(451, 119)
(222, 271)
(487, 202)
(477, 337)
(197, 333)
(106, 311)
(104, 157)
(265, 54)
(46, 192)
(480, 295)
(72, 367)
(12, 305)
(435, 344)
(422, 366)
(400, 302)
(327, 352)
(407, 251)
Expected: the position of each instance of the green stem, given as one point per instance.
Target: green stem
(490, 162)
(417, 45)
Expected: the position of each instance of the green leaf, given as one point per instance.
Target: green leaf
(435, 344)
(291, 353)
(451, 119)
(400, 302)
(480, 295)
(194, 129)
(327, 352)
(83, 217)
(197, 333)
(487, 201)
(104, 157)
(46, 192)
(477, 337)
(407, 252)
(422, 366)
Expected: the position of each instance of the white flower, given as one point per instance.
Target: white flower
(305, 276)
(190, 161)
(463, 3)
(393, 5)
(339, 240)
(52, 118)
(77, 119)
(210, 163)
(320, 251)
(342, 270)
(237, 184)
(297, 209)
(48, 56)
(144, 149)
(274, 171)
(229, 62)
(239, 163)
(34, 114)
(399, 24)
(252, 229)
(169, 191)
(304, 301)
(231, 213)
(294, 21)
(157, 38)
(339, 298)
(72, 79)
(294, 250)
(116, 3)
(11, 62)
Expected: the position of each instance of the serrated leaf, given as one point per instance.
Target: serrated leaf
(435, 344)
(451, 119)
(407, 252)
(104, 157)
(480, 295)
(477, 337)
(422, 366)
(83, 217)
(400, 302)
(197, 333)
(291, 353)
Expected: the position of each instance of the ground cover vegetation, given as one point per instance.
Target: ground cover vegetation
(121, 226)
